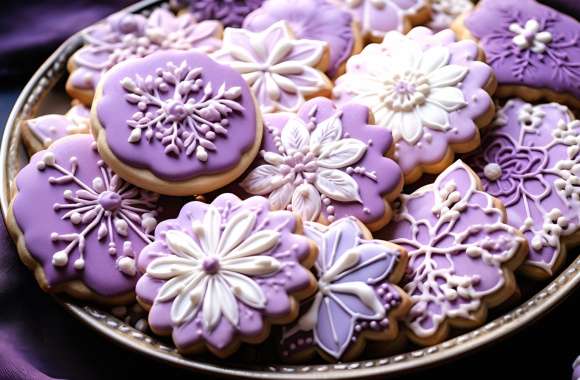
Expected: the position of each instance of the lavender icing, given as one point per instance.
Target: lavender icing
(123, 36)
(528, 160)
(237, 252)
(87, 224)
(528, 44)
(326, 163)
(228, 12)
(461, 252)
(310, 19)
(48, 128)
(355, 292)
(426, 88)
(177, 114)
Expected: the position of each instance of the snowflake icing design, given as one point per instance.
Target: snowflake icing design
(177, 108)
(444, 12)
(353, 291)
(531, 165)
(409, 91)
(214, 262)
(281, 70)
(108, 206)
(124, 36)
(306, 171)
(458, 247)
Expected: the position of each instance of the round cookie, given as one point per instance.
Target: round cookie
(125, 35)
(428, 89)
(377, 17)
(326, 163)
(222, 273)
(78, 225)
(281, 70)
(230, 13)
(462, 254)
(529, 160)
(40, 132)
(177, 123)
(444, 12)
(357, 296)
(533, 48)
(313, 20)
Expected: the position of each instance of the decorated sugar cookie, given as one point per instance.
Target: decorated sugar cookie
(123, 36)
(444, 12)
(325, 163)
(529, 160)
(228, 12)
(177, 123)
(461, 253)
(357, 296)
(313, 20)
(533, 48)
(281, 70)
(40, 132)
(221, 273)
(377, 17)
(78, 225)
(430, 91)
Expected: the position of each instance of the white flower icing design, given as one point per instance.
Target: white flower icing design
(108, 205)
(306, 167)
(281, 70)
(410, 89)
(189, 119)
(530, 36)
(216, 272)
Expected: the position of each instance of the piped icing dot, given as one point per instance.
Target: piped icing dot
(211, 265)
(492, 171)
(110, 200)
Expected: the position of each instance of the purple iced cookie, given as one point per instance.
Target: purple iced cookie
(123, 36)
(176, 122)
(444, 12)
(221, 272)
(78, 225)
(281, 69)
(228, 12)
(313, 20)
(40, 132)
(529, 160)
(357, 297)
(428, 89)
(326, 163)
(461, 253)
(377, 17)
(529, 45)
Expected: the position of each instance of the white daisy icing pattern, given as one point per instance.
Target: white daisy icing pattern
(281, 70)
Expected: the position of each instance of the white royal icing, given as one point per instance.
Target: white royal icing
(530, 36)
(211, 273)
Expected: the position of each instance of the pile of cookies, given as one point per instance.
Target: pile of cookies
(332, 167)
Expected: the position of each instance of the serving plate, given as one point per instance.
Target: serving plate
(44, 93)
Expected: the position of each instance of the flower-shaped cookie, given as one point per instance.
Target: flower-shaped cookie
(281, 70)
(530, 46)
(325, 163)
(529, 160)
(222, 272)
(313, 20)
(357, 297)
(40, 132)
(378, 17)
(176, 122)
(461, 253)
(78, 225)
(123, 36)
(429, 90)
(228, 12)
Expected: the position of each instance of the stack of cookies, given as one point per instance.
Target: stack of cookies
(347, 170)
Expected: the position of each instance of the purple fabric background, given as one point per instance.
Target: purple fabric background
(40, 341)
